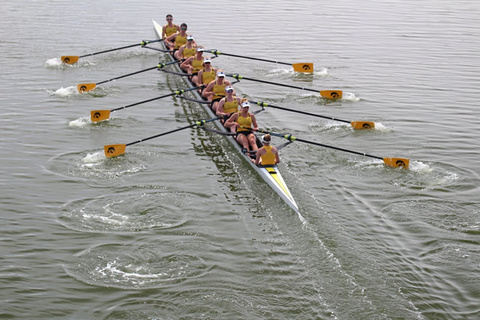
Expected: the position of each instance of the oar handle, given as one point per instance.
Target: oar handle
(143, 43)
(264, 104)
(216, 53)
(239, 77)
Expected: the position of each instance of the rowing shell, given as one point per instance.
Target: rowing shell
(270, 174)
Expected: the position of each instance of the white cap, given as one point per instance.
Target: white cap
(220, 74)
(245, 104)
(207, 60)
(189, 37)
(229, 89)
(200, 49)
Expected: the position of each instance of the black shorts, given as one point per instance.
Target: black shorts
(245, 133)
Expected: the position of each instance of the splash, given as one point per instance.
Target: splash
(57, 63)
(381, 127)
(323, 72)
(65, 92)
(420, 167)
(54, 63)
(348, 96)
(80, 123)
(94, 158)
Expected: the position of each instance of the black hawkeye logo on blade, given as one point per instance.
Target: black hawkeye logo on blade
(400, 163)
(96, 115)
(334, 94)
(306, 67)
(111, 150)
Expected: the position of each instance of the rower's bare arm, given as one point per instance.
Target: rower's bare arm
(254, 122)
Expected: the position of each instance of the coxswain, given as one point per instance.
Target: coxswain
(268, 154)
(170, 28)
(215, 90)
(245, 123)
(227, 106)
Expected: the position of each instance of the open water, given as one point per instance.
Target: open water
(180, 228)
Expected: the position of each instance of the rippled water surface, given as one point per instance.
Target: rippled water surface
(180, 227)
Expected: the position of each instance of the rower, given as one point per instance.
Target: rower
(170, 28)
(245, 123)
(187, 50)
(215, 90)
(207, 74)
(176, 40)
(227, 106)
(194, 64)
(267, 155)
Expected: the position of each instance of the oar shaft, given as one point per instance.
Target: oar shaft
(264, 104)
(159, 66)
(177, 92)
(161, 134)
(292, 138)
(120, 48)
(197, 123)
(126, 75)
(245, 57)
(337, 148)
(239, 77)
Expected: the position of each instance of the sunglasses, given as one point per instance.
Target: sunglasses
(169, 19)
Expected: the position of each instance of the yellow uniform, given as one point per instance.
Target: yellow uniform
(189, 52)
(208, 77)
(268, 158)
(180, 41)
(197, 65)
(170, 30)
(230, 106)
(219, 90)
(244, 122)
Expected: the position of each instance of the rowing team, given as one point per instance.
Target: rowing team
(234, 111)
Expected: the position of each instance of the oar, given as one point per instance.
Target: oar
(305, 67)
(355, 124)
(74, 59)
(100, 115)
(115, 150)
(328, 94)
(392, 162)
(85, 87)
